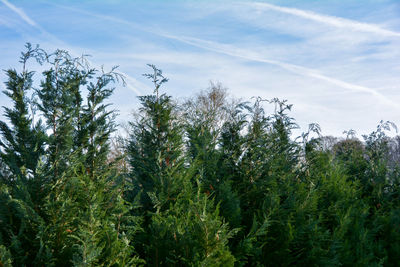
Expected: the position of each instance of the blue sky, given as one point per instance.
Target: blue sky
(338, 62)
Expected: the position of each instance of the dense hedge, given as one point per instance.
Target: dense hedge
(209, 181)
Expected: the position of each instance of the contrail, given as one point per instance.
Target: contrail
(329, 20)
(130, 81)
(20, 13)
(239, 53)
(104, 17)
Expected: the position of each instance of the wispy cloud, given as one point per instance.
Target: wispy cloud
(134, 84)
(131, 83)
(240, 53)
(329, 20)
(324, 64)
(251, 56)
(20, 13)
(104, 17)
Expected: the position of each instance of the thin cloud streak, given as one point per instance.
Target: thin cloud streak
(224, 49)
(239, 53)
(329, 20)
(101, 16)
(130, 81)
(20, 13)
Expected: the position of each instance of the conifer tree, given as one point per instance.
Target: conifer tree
(190, 232)
(60, 103)
(62, 204)
(155, 147)
(96, 123)
(181, 229)
(22, 145)
(205, 116)
(154, 150)
(89, 220)
(225, 184)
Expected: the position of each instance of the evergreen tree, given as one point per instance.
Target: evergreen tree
(22, 146)
(181, 229)
(60, 103)
(155, 147)
(207, 182)
(61, 200)
(89, 221)
(189, 233)
(96, 123)
(205, 116)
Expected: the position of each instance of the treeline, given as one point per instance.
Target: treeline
(209, 181)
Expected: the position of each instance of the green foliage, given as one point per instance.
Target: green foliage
(208, 182)
(21, 188)
(189, 233)
(5, 257)
(88, 221)
(61, 200)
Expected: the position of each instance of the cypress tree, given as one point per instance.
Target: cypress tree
(97, 123)
(224, 185)
(60, 104)
(180, 229)
(21, 188)
(155, 147)
(22, 144)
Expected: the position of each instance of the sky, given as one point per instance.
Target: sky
(337, 62)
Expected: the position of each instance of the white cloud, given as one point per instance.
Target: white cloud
(247, 55)
(323, 66)
(329, 20)
(251, 56)
(20, 13)
(131, 83)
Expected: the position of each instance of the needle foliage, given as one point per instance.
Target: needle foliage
(207, 181)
